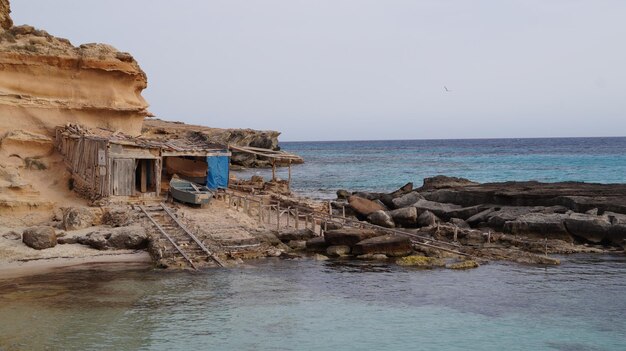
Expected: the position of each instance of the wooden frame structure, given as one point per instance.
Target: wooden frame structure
(106, 164)
(275, 156)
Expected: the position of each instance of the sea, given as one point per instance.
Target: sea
(387, 165)
(304, 304)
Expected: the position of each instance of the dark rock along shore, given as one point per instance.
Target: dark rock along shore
(570, 212)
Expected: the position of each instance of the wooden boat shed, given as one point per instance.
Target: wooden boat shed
(104, 164)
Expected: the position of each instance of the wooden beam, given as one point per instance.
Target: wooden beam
(144, 176)
(274, 170)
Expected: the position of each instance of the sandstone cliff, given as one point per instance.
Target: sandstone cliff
(46, 82)
(5, 18)
(93, 85)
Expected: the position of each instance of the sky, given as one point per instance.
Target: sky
(367, 69)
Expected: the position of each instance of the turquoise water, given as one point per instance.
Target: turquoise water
(387, 165)
(310, 305)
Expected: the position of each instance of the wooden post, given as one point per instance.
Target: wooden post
(306, 221)
(144, 176)
(343, 211)
(289, 181)
(278, 216)
(297, 219)
(456, 230)
(330, 208)
(288, 215)
(273, 170)
(260, 213)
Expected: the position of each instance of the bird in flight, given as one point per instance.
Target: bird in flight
(446, 88)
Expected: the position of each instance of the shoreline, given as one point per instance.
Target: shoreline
(18, 269)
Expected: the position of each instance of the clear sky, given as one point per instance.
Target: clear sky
(367, 69)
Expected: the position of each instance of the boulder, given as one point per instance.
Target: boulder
(364, 206)
(589, 227)
(406, 217)
(77, 218)
(407, 200)
(444, 182)
(497, 219)
(300, 234)
(389, 245)
(467, 212)
(316, 244)
(459, 223)
(96, 240)
(382, 219)
(343, 194)
(39, 238)
(348, 236)
(368, 195)
(405, 189)
(319, 257)
(297, 244)
(67, 240)
(387, 200)
(427, 219)
(117, 218)
(481, 216)
(331, 225)
(441, 210)
(338, 250)
(382, 204)
(550, 226)
(134, 238)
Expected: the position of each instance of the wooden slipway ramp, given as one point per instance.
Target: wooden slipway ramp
(181, 241)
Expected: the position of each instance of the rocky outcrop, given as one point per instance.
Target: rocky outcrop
(40, 238)
(575, 196)
(266, 139)
(568, 212)
(5, 17)
(47, 82)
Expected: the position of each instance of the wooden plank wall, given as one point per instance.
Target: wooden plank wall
(87, 160)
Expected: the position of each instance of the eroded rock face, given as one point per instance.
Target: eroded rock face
(5, 18)
(40, 238)
(47, 82)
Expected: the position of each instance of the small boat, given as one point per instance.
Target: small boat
(189, 192)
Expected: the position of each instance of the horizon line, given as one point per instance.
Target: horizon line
(443, 139)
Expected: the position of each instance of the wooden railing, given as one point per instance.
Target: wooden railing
(271, 214)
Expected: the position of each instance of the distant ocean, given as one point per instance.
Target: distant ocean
(387, 165)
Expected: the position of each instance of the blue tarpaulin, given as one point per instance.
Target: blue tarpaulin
(217, 176)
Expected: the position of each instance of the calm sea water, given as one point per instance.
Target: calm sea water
(311, 305)
(387, 165)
